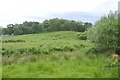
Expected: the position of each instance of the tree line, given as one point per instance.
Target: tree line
(51, 25)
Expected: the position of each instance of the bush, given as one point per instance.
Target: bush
(34, 50)
(82, 36)
(7, 52)
(104, 33)
(67, 48)
(22, 51)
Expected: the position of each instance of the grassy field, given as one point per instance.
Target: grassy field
(43, 43)
(52, 55)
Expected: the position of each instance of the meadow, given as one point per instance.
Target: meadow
(59, 54)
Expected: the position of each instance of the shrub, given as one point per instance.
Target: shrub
(82, 36)
(7, 52)
(104, 33)
(22, 50)
(34, 50)
(67, 48)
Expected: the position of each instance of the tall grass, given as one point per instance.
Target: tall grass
(52, 55)
(60, 65)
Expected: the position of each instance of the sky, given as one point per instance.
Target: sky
(18, 11)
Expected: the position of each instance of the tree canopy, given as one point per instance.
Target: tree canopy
(51, 25)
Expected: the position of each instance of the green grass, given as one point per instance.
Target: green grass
(52, 55)
(56, 65)
(44, 43)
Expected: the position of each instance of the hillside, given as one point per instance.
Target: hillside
(43, 43)
(52, 55)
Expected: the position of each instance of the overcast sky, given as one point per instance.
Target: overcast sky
(18, 11)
